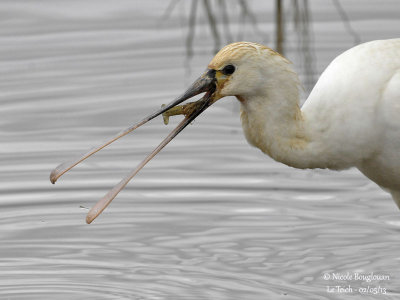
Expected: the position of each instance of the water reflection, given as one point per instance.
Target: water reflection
(227, 22)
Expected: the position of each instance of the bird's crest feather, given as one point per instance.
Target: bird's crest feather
(237, 51)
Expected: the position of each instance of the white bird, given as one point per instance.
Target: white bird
(350, 119)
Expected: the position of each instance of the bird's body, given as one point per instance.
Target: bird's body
(357, 101)
(350, 119)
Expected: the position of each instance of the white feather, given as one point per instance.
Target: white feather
(351, 118)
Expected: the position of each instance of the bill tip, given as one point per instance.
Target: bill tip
(92, 214)
(53, 177)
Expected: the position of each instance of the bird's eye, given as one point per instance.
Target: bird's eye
(228, 69)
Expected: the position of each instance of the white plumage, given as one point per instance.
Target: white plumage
(350, 119)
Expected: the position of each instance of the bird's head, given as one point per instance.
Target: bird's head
(240, 69)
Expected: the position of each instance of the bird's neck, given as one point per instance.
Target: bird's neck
(273, 122)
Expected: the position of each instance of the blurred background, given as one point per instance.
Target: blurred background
(210, 217)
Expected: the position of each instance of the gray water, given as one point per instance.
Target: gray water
(210, 217)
